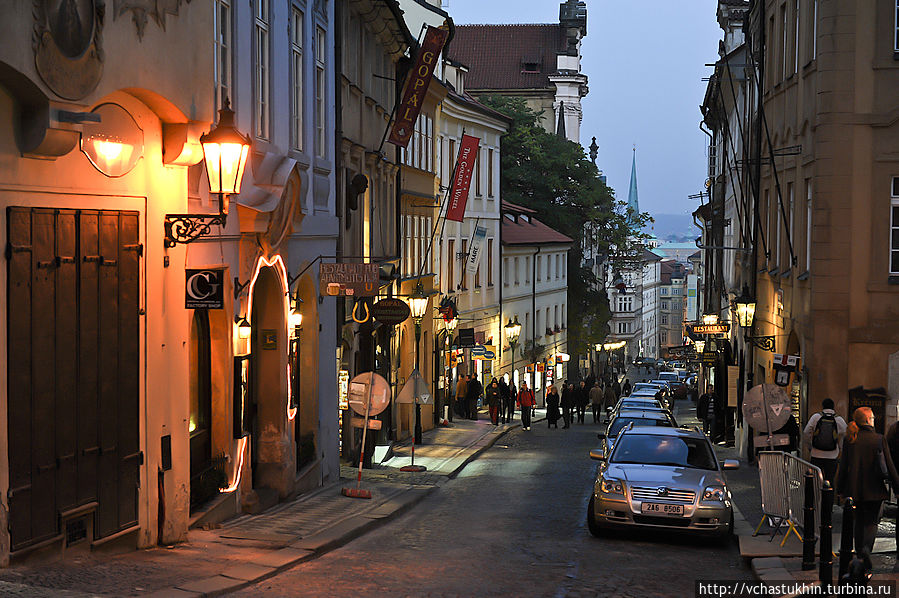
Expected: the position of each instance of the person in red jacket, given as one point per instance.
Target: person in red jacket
(526, 402)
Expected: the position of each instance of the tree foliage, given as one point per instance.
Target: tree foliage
(554, 177)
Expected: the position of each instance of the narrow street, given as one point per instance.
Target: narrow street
(512, 523)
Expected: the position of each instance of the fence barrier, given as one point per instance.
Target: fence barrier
(781, 477)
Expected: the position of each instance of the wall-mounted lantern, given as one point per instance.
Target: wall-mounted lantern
(225, 151)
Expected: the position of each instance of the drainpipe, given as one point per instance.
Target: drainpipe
(534, 320)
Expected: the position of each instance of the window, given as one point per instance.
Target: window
(624, 327)
(796, 38)
(489, 262)
(539, 268)
(663, 337)
(539, 330)
(451, 266)
(625, 303)
(515, 267)
(665, 305)
(664, 319)
(320, 92)
(895, 26)
(477, 175)
(527, 270)
(464, 276)
(555, 317)
(222, 61)
(490, 173)
(549, 262)
(771, 57)
(664, 290)
(815, 27)
(563, 316)
(505, 271)
(675, 291)
(564, 264)
(261, 85)
(477, 276)
(451, 159)
(558, 265)
(792, 230)
(784, 63)
(894, 228)
(296, 73)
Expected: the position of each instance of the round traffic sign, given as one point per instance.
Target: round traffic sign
(368, 386)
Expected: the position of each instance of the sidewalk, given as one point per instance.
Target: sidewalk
(251, 548)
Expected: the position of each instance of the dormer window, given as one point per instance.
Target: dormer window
(531, 64)
(525, 218)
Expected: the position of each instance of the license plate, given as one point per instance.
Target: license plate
(656, 508)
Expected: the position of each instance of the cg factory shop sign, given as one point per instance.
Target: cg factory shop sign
(204, 289)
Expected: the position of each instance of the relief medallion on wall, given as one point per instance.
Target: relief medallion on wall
(67, 45)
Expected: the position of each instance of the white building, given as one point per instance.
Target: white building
(476, 294)
(535, 292)
(652, 278)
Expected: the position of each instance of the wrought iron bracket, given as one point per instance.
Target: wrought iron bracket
(765, 343)
(187, 228)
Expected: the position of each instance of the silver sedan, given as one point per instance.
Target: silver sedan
(661, 478)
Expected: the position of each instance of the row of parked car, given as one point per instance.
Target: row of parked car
(654, 474)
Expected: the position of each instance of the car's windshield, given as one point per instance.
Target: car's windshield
(645, 385)
(620, 422)
(649, 449)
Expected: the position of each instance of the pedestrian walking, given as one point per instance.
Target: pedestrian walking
(525, 403)
(492, 398)
(461, 405)
(626, 388)
(705, 409)
(824, 433)
(583, 399)
(596, 395)
(552, 407)
(472, 394)
(568, 401)
(865, 465)
(609, 400)
(616, 386)
(505, 403)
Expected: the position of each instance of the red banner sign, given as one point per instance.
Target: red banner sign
(417, 83)
(458, 197)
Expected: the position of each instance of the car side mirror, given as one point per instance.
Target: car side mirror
(597, 455)
(730, 464)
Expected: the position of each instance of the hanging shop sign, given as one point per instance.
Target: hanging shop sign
(417, 82)
(477, 248)
(719, 328)
(458, 196)
(466, 338)
(784, 366)
(204, 289)
(353, 279)
(709, 358)
(390, 311)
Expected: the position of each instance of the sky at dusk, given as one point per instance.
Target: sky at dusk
(645, 63)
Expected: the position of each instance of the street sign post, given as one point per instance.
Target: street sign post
(767, 407)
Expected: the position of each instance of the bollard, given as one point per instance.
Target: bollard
(846, 539)
(808, 525)
(825, 569)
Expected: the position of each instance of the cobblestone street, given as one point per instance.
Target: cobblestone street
(512, 523)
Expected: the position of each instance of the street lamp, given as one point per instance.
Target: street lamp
(744, 308)
(513, 331)
(296, 316)
(700, 346)
(225, 151)
(418, 305)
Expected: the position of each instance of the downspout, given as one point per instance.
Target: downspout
(707, 278)
(340, 178)
(534, 306)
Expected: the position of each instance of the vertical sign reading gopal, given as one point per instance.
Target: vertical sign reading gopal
(468, 153)
(417, 83)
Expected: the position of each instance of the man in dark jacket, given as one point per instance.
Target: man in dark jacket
(702, 408)
(865, 464)
(473, 393)
(568, 402)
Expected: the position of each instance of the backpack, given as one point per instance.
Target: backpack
(826, 434)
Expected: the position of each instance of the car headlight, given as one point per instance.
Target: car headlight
(715, 493)
(612, 487)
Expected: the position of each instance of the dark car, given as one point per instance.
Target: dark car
(633, 417)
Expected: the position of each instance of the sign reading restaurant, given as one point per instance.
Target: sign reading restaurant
(721, 328)
(353, 279)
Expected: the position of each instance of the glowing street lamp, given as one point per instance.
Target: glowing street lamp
(744, 307)
(418, 305)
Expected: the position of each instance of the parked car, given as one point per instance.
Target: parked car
(661, 478)
(678, 388)
(633, 417)
(660, 395)
(642, 403)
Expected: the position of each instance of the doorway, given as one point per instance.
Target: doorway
(203, 482)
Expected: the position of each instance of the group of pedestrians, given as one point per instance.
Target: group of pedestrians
(500, 397)
(469, 391)
(571, 405)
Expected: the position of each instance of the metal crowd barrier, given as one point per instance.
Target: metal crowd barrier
(781, 478)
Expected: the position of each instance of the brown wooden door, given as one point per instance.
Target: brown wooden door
(73, 361)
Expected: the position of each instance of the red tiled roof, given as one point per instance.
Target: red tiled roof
(495, 54)
(534, 232)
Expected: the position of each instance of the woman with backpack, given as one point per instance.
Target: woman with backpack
(824, 433)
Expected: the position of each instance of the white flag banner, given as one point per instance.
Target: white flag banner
(477, 247)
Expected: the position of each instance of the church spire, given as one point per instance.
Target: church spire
(632, 201)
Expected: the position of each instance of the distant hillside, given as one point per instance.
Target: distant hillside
(676, 228)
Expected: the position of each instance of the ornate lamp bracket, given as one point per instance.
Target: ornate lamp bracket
(765, 343)
(186, 228)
